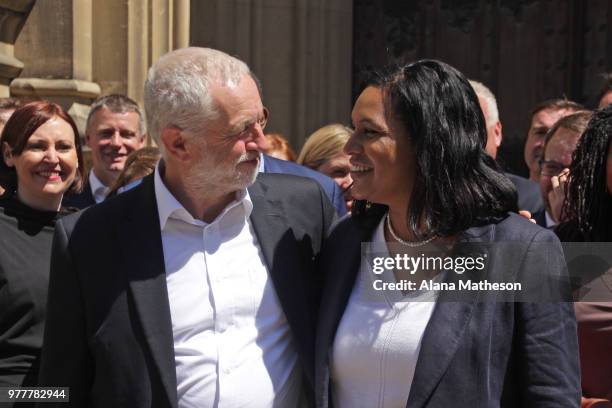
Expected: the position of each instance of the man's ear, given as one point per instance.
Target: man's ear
(143, 140)
(498, 133)
(7, 155)
(173, 141)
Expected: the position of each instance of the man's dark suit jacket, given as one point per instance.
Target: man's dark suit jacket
(108, 333)
(477, 352)
(529, 193)
(540, 219)
(80, 200)
(333, 191)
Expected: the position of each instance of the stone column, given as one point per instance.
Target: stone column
(72, 58)
(55, 46)
(300, 49)
(13, 15)
(154, 28)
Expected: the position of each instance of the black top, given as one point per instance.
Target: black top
(80, 200)
(529, 193)
(25, 250)
(569, 232)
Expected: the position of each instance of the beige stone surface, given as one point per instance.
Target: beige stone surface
(45, 43)
(82, 14)
(13, 15)
(79, 112)
(10, 67)
(109, 45)
(300, 50)
(37, 87)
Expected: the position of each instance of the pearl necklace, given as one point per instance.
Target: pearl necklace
(407, 243)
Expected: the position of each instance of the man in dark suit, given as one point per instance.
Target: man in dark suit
(529, 197)
(273, 165)
(115, 128)
(208, 297)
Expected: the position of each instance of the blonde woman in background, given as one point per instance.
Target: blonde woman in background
(323, 152)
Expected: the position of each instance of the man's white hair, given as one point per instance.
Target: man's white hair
(485, 93)
(177, 90)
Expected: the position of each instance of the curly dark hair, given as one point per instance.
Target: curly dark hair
(458, 185)
(588, 203)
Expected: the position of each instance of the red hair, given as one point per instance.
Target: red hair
(278, 144)
(21, 125)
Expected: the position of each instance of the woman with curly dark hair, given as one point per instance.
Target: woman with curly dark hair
(588, 205)
(588, 209)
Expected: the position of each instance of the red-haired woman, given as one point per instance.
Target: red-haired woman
(42, 160)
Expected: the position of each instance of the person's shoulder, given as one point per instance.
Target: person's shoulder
(344, 225)
(80, 200)
(520, 181)
(285, 183)
(515, 227)
(103, 215)
(350, 226)
(529, 194)
(277, 166)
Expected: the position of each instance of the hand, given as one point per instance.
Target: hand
(594, 403)
(557, 195)
(527, 215)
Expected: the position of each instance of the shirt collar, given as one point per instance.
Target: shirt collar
(169, 207)
(98, 189)
(549, 220)
(262, 165)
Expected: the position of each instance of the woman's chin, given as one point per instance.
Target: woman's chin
(54, 190)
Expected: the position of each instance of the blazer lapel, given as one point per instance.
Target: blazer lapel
(144, 263)
(445, 329)
(283, 256)
(341, 261)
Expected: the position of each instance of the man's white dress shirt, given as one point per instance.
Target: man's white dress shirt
(98, 190)
(232, 343)
(550, 222)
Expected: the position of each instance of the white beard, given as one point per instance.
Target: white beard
(208, 178)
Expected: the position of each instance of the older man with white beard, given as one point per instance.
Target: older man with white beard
(210, 297)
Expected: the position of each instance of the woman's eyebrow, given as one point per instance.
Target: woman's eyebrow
(367, 121)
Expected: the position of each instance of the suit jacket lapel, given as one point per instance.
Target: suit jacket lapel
(282, 255)
(144, 263)
(86, 198)
(445, 329)
(341, 262)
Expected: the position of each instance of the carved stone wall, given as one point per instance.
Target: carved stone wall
(13, 15)
(300, 50)
(71, 57)
(524, 50)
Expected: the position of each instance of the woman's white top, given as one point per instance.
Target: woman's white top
(378, 340)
